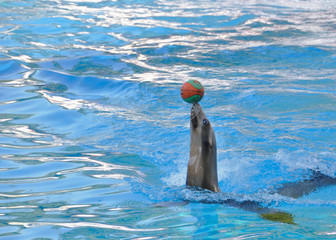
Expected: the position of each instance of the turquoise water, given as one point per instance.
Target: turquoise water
(94, 137)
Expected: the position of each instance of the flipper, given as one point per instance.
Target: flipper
(307, 186)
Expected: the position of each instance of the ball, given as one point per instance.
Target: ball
(192, 91)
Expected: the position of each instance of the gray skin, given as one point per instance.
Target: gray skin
(202, 165)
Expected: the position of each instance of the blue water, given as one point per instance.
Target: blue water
(94, 137)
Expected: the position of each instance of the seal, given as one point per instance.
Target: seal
(202, 165)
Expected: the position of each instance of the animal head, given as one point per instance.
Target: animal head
(200, 127)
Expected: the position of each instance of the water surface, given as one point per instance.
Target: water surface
(94, 137)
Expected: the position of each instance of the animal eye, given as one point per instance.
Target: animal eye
(205, 122)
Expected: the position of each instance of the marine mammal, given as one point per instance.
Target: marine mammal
(202, 172)
(202, 165)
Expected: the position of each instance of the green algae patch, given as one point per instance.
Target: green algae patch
(279, 217)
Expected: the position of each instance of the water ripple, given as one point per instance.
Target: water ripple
(83, 224)
(93, 133)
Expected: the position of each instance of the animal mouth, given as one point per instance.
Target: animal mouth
(195, 109)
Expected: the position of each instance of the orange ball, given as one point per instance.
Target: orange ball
(192, 91)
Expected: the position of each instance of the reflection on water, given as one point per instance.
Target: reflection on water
(83, 224)
(94, 137)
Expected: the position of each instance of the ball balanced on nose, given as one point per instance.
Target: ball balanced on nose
(192, 91)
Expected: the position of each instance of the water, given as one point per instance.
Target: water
(94, 137)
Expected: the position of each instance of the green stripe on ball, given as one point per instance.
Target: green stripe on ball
(193, 99)
(195, 83)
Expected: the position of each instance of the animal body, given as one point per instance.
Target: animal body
(202, 165)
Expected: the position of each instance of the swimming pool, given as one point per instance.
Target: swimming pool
(94, 137)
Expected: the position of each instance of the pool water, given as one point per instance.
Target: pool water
(94, 136)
